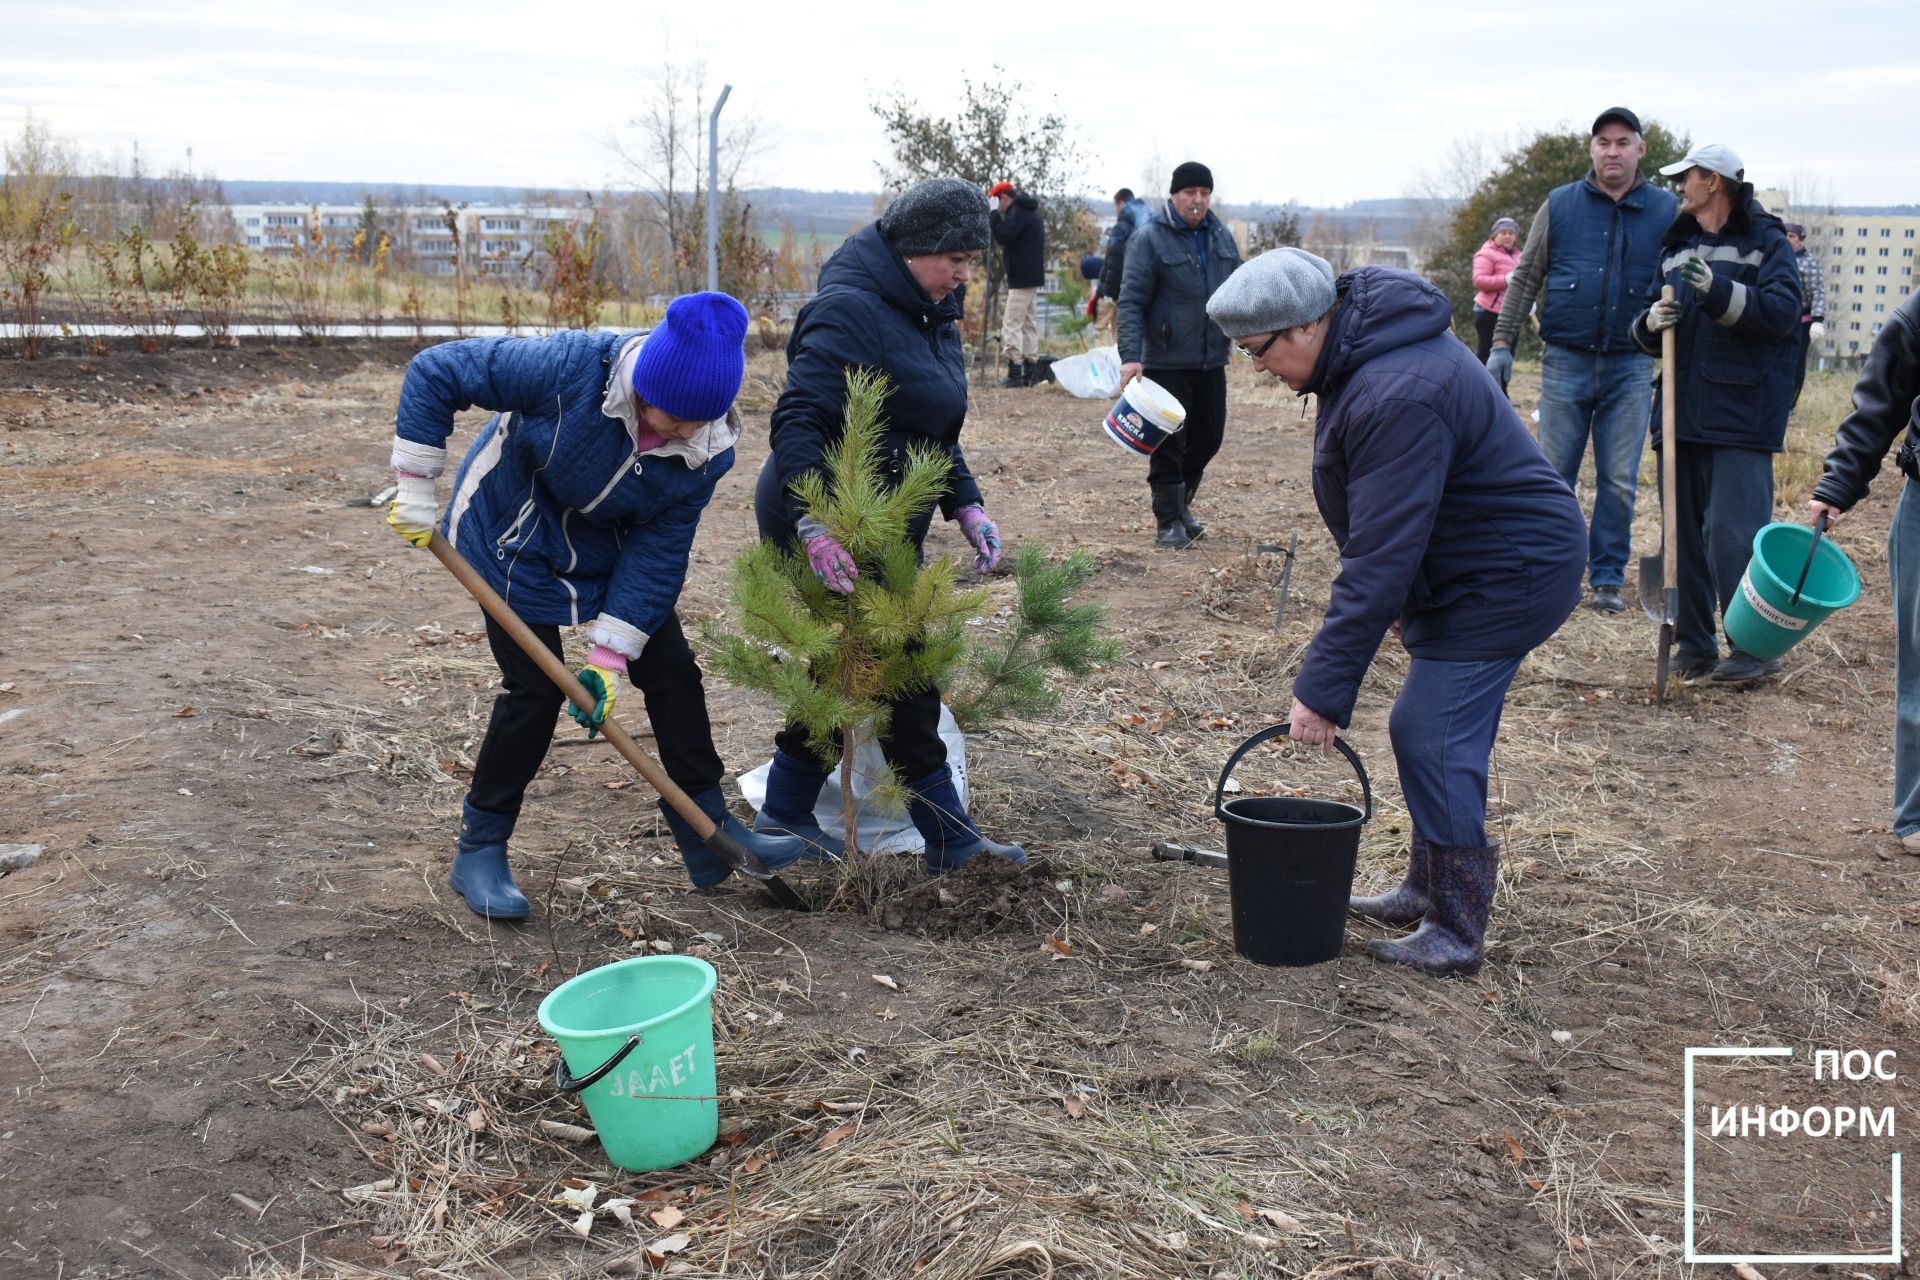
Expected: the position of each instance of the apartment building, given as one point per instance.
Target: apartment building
(492, 239)
(1869, 261)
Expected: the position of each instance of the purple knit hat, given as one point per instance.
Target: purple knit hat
(691, 364)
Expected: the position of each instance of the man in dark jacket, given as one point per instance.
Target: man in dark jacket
(1886, 406)
(1130, 213)
(1023, 243)
(1454, 531)
(1174, 263)
(1737, 308)
(1600, 268)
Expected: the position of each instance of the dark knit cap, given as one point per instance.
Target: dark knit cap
(690, 366)
(1191, 174)
(940, 215)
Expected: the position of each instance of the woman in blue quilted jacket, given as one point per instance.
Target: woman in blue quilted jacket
(889, 300)
(578, 502)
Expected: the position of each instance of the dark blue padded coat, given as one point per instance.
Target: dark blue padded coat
(554, 504)
(1448, 517)
(871, 313)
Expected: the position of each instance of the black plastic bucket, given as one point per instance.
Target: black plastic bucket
(1290, 864)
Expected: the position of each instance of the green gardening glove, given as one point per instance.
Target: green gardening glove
(604, 685)
(1697, 276)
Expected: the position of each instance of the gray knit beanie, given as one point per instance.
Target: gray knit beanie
(940, 215)
(1278, 290)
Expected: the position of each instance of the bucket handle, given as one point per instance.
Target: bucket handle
(1819, 528)
(1268, 735)
(566, 1083)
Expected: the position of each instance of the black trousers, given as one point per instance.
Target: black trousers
(1184, 455)
(521, 727)
(1484, 323)
(912, 741)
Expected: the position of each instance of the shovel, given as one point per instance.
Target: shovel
(1666, 584)
(724, 846)
(1653, 568)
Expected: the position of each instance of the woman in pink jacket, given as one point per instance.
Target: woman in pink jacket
(1492, 263)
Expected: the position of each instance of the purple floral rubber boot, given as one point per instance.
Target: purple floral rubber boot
(1410, 901)
(1453, 937)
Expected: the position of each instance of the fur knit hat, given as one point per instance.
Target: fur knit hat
(940, 215)
(691, 364)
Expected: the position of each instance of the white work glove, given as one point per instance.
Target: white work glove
(1662, 315)
(1817, 331)
(413, 512)
(1507, 280)
(1697, 276)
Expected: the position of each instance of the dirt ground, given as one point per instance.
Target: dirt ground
(250, 1032)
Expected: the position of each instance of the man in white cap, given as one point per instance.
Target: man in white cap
(1598, 268)
(1737, 310)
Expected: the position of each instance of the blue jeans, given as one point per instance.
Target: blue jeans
(1903, 562)
(1607, 397)
(1442, 729)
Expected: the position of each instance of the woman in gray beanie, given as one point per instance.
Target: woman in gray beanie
(1453, 531)
(889, 301)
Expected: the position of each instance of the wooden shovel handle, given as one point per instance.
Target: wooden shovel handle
(1669, 449)
(501, 612)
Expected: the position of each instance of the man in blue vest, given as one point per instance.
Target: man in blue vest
(1593, 260)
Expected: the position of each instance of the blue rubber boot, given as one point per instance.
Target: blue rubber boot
(1453, 937)
(793, 788)
(480, 872)
(934, 805)
(1410, 901)
(704, 866)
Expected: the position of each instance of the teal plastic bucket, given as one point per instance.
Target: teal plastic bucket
(1764, 619)
(636, 1043)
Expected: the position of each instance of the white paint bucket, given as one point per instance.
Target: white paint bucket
(1145, 414)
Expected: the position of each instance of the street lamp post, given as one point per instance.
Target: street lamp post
(713, 191)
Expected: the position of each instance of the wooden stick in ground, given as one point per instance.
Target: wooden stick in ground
(576, 692)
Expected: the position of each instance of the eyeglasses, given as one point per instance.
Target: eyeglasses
(1271, 339)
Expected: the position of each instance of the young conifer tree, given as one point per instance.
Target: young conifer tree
(833, 661)
(1047, 631)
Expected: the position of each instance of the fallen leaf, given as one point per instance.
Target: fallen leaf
(1515, 1151)
(1159, 666)
(477, 1120)
(432, 1064)
(886, 982)
(7, 687)
(666, 1246)
(1175, 1239)
(1075, 1108)
(1244, 1208)
(567, 1132)
(1063, 947)
(1563, 1037)
(1576, 1244)
(368, 1190)
(843, 1108)
(1746, 1272)
(620, 785)
(1198, 966)
(1148, 930)
(1281, 1219)
(378, 1128)
(836, 1136)
(756, 1162)
(667, 1217)
(182, 714)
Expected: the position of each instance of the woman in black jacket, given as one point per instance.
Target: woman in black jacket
(888, 301)
(1886, 407)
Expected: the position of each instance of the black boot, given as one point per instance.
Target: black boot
(1453, 937)
(1409, 901)
(1195, 529)
(1168, 502)
(1016, 375)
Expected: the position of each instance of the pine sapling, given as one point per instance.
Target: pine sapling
(1048, 632)
(833, 662)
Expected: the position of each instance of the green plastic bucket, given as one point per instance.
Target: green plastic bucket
(1764, 619)
(636, 1043)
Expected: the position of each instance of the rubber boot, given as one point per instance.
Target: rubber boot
(793, 788)
(1453, 937)
(480, 872)
(1407, 903)
(934, 805)
(705, 867)
(1168, 501)
(1016, 375)
(1194, 528)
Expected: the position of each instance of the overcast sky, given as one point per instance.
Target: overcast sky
(1322, 103)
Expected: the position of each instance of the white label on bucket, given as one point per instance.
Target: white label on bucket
(639, 1082)
(1785, 621)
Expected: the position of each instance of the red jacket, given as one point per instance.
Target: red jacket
(1491, 264)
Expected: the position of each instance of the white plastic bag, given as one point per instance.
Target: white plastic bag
(1091, 375)
(878, 830)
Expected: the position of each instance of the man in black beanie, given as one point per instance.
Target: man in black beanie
(1174, 263)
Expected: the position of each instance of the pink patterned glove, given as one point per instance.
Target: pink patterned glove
(984, 536)
(831, 563)
(611, 659)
